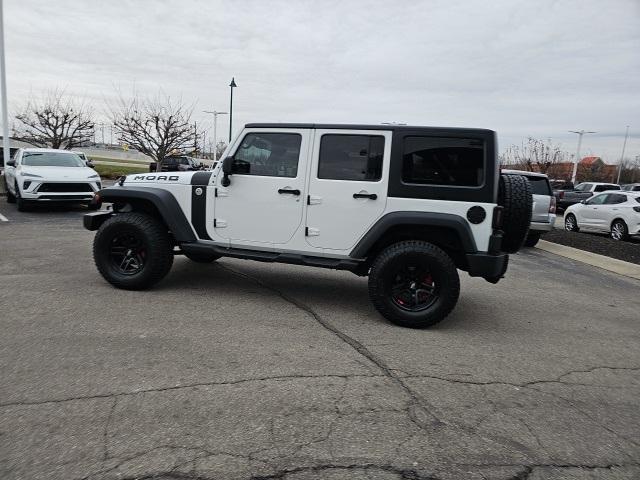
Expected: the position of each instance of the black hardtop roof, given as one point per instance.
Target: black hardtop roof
(342, 126)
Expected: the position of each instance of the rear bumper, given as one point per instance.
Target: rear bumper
(488, 266)
(544, 226)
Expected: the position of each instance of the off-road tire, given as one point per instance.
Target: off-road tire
(11, 198)
(624, 230)
(202, 257)
(442, 269)
(514, 195)
(575, 227)
(155, 239)
(532, 239)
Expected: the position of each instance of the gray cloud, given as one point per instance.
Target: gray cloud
(521, 68)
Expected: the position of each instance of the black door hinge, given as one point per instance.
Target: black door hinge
(215, 193)
(306, 231)
(308, 199)
(214, 223)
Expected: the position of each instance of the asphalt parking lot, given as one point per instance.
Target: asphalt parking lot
(241, 370)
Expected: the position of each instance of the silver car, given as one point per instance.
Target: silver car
(543, 214)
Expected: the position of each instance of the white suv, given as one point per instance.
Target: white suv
(48, 175)
(614, 212)
(407, 206)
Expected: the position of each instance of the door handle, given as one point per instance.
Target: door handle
(289, 190)
(371, 196)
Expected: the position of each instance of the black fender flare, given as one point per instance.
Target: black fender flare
(435, 219)
(163, 200)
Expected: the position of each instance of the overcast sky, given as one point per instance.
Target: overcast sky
(528, 68)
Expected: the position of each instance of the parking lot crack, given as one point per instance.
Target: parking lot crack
(418, 412)
(179, 387)
(105, 434)
(407, 474)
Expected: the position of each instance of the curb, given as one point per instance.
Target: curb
(614, 265)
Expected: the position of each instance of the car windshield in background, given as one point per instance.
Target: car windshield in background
(52, 159)
(539, 186)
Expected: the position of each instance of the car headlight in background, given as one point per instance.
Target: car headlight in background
(93, 176)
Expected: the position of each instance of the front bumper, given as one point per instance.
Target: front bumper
(491, 267)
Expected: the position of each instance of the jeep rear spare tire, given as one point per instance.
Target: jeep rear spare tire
(515, 197)
(414, 284)
(133, 251)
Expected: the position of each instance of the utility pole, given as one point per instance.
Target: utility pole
(577, 159)
(624, 146)
(6, 141)
(215, 114)
(195, 138)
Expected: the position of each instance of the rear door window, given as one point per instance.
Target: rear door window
(443, 161)
(351, 157)
(539, 185)
(615, 198)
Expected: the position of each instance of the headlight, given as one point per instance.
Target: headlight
(31, 175)
(93, 176)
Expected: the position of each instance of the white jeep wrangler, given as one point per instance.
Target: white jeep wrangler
(407, 206)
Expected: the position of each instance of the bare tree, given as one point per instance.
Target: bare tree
(220, 148)
(156, 126)
(534, 155)
(55, 121)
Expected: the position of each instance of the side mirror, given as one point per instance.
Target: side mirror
(90, 164)
(11, 163)
(227, 165)
(584, 202)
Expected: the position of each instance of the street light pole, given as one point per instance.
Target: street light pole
(215, 114)
(577, 159)
(232, 85)
(624, 146)
(6, 141)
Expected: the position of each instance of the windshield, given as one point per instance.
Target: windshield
(52, 159)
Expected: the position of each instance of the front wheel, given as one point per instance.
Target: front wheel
(414, 284)
(21, 203)
(619, 230)
(133, 251)
(11, 198)
(570, 223)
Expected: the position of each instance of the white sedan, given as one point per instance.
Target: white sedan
(40, 174)
(614, 212)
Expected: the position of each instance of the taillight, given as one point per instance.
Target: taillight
(560, 194)
(496, 222)
(552, 205)
(637, 209)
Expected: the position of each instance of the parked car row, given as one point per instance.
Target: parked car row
(178, 163)
(48, 175)
(616, 212)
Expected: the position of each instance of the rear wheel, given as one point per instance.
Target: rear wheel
(133, 251)
(532, 239)
(414, 284)
(619, 230)
(570, 223)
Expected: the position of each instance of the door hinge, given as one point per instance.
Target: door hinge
(217, 223)
(215, 193)
(311, 232)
